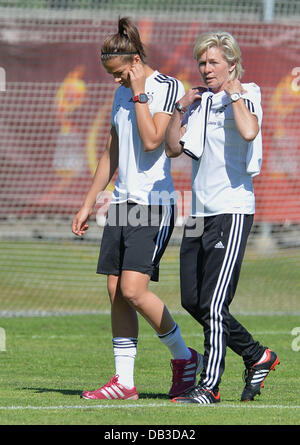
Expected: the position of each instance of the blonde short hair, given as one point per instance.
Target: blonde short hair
(226, 43)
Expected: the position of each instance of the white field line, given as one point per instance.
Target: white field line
(143, 336)
(62, 313)
(143, 405)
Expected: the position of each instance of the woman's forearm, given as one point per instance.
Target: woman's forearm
(246, 122)
(173, 134)
(151, 129)
(106, 168)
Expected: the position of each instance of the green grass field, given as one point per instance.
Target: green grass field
(50, 360)
(60, 276)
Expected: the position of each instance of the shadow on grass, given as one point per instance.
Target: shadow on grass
(66, 392)
(153, 395)
(74, 392)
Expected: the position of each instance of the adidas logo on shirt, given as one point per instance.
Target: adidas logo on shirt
(219, 245)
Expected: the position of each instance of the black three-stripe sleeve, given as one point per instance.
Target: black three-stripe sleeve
(249, 105)
(172, 91)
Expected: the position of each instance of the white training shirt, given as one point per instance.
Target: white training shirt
(144, 177)
(220, 181)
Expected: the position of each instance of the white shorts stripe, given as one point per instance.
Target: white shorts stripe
(164, 229)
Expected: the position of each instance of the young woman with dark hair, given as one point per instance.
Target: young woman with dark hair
(141, 215)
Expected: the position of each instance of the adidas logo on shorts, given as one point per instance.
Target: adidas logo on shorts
(219, 245)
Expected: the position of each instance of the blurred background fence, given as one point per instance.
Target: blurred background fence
(55, 101)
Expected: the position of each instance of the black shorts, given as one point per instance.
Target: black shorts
(134, 238)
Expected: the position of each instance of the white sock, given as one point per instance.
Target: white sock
(174, 341)
(124, 353)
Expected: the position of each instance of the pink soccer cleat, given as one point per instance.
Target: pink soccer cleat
(113, 390)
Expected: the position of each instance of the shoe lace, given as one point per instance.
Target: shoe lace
(197, 391)
(113, 381)
(248, 374)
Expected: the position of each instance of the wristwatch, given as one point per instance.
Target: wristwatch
(235, 96)
(180, 108)
(141, 98)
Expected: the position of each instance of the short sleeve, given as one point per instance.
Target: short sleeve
(252, 100)
(171, 91)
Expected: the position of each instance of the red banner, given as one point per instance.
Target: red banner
(55, 115)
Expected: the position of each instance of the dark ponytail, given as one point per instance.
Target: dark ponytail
(126, 42)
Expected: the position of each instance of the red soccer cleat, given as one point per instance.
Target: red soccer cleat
(185, 373)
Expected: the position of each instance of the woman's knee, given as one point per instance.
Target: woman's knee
(131, 294)
(194, 309)
(133, 287)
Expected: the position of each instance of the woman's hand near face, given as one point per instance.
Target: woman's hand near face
(137, 78)
(234, 86)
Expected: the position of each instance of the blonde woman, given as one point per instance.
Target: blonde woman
(220, 128)
(140, 218)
